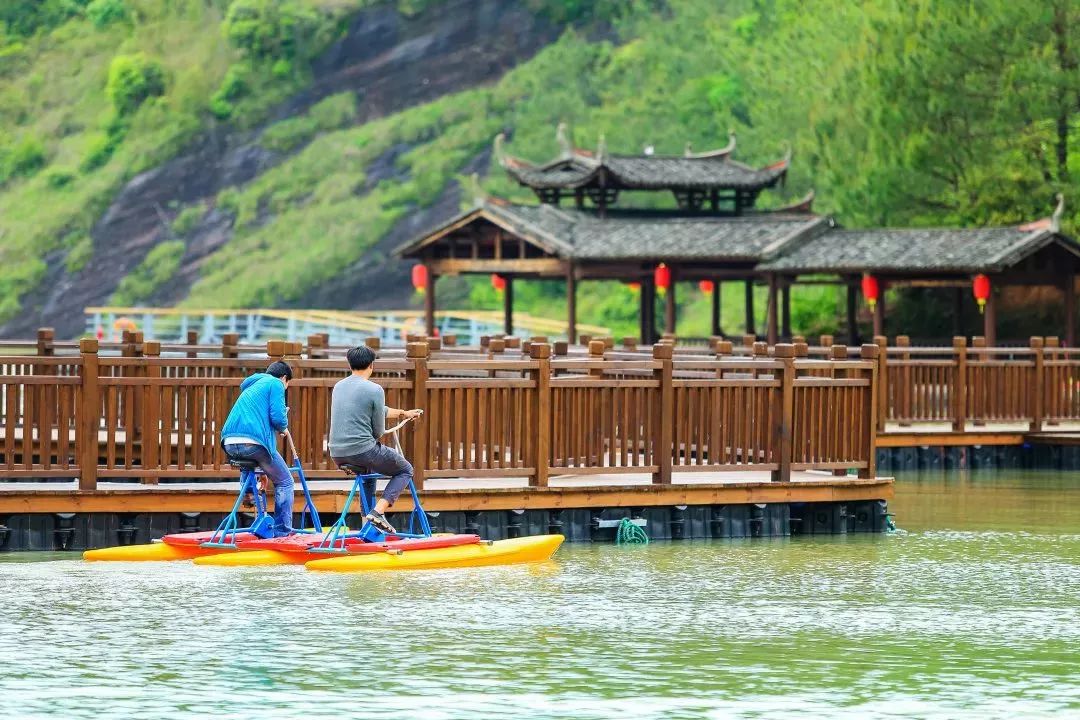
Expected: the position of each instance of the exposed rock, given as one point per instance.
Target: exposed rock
(392, 62)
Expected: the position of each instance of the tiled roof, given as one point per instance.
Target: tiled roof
(912, 249)
(584, 235)
(648, 172)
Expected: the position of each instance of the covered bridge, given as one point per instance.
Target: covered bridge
(716, 234)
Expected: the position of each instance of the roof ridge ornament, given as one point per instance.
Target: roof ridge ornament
(802, 205)
(1052, 223)
(566, 144)
(720, 153)
(479, 196)
(504, 159)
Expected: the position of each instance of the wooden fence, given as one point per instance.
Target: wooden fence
(149, 417)
(1035, 386)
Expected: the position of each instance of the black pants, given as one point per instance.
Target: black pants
(381, 459)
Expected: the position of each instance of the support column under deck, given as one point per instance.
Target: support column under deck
(750, 307)
(508, 306)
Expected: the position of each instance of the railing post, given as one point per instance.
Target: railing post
(871, 352)
(959, 399)
(86, 432)
(229, 341)
(596, 352)
(541, 352)
(150, 428)
(665, 416)
(981, 375)
(1038, 384)
(449, 340)
(905, 390)
(418, 353)
(373, 343)
(192, 339)
(882, 380)
(782, 426)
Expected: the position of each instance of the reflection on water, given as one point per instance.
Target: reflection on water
(973, 612)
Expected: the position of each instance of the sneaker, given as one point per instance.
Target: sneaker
(379, 521)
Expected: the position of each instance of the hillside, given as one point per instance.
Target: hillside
(269, 153)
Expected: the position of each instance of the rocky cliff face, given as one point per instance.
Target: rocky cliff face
(392, 62)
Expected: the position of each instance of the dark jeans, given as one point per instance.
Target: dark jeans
(275, 468)
(381, 459)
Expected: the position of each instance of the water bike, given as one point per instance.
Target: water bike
(229, 533)
(340, 550)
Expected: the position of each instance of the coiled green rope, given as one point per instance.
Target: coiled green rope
(630, 534)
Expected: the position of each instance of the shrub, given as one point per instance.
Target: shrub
(80, 253)
(58, 178)
(25, 157)
(133, 79)
(269, 28)
(157, 267)
(187, 219)
(105, 12)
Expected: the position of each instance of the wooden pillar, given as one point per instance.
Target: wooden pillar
(879, 313)
(958, 312)
(785, 311)
(784, 420)
(418, 446)
(429, 304)
(571, 306)
(770, 322)
(648, 304)
(1069, 289)
(664, 420)
(669, 306)
(86, 431)
(852, 326)
(959, 384)
(750, 307)
(541, 353)
(508, 306)
(716, 329)
(990, 319)
(871, 353)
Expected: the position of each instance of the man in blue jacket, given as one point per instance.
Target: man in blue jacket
(250, 433)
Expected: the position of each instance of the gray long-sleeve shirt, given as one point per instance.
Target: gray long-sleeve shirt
(357, 416)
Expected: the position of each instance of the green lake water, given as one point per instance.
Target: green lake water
(972, 611)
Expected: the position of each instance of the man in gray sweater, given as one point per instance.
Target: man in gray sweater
(358, 416)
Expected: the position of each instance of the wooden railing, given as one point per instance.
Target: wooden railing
(149, 417)
(978, 386)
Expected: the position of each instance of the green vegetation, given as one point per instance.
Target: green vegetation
(158, 266)
(898, 113)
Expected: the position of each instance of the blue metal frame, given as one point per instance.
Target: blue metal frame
(309, 504)
(229, 527)
(334, 542)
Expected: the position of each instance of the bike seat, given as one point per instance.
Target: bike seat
(244, 464)
(352, 469)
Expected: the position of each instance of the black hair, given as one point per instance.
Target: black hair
(279, 369)
(360, 357)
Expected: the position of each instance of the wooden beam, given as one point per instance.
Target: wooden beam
(429, 304)
(716, 300)
(785, 311)
(571, 306)
(669, 305)
(852, 325)
(508, 306)
(770, 312)
(538, 498)
(990, 318)
(534, 266)
(749, 298)
(1069, 292)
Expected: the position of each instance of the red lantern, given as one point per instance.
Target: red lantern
(420, 278)
(498, 282)
(706, 286)
(635, 287)
(662, 278)
(870, 290)
(980, 286)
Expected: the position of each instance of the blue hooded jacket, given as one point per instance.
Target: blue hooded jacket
(258, 412)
